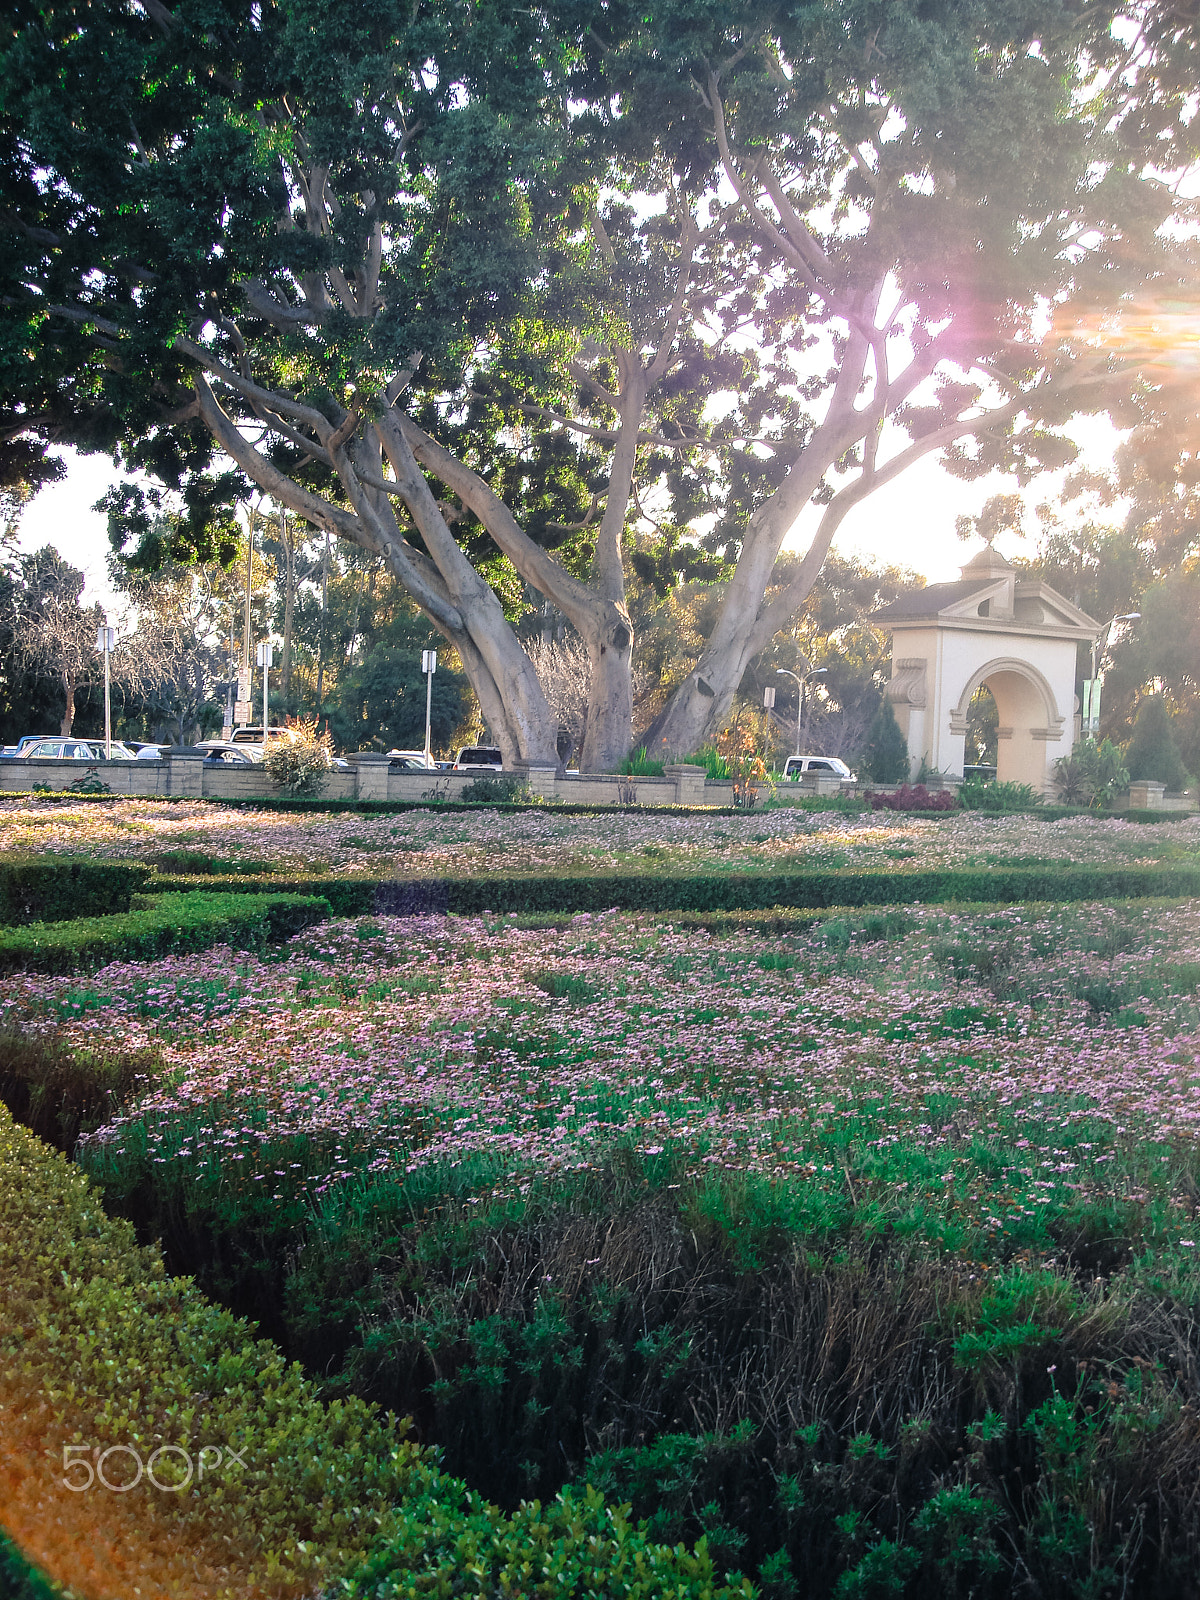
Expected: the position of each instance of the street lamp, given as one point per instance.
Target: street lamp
(818, 672)
(1090, 709)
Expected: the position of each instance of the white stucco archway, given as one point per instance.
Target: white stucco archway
(1020, 639)
(1029, 718)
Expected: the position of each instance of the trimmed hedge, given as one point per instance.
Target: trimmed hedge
(107, 1350)
(158, 925)
(724, 892)
(59, 888)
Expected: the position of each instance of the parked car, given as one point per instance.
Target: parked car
(829, 766)
(63, 751)
(413, 758)
(980, 772)
(26, 740)
(151, 752)
(230, 755)
(475, 756)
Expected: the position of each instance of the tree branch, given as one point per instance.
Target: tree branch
(534, 564)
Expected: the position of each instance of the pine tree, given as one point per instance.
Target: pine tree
(1152, 751)
(886, 753)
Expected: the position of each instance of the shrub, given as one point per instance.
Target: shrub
(577, 1545)
(716, 769)
(171, 1368)
(321, 1485)
(740, 748)
(1152, 751)
(300, 762)
(639, 765)
(57, 888)
(157, 925)
(1091, 774)
(885, 757)
(718, 891)
(977, 795)
(505, 789)
(915, 798)
(61, 1092)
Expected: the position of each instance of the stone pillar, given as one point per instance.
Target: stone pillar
(370, 774)
(542, 778)
(689, 783)
(185, 773)
(1146, 795)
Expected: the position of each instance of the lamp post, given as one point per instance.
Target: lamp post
(428, 667)
(1090, 709)
(106, 642)
(818, 672)
(264, 657)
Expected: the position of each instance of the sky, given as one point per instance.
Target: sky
(909, 523)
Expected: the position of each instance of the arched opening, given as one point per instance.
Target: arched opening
(1027, 718)
(983, 722)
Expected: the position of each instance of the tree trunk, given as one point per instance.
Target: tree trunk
(289, 603)
(610, 695)
(69, 713)
(321, 637)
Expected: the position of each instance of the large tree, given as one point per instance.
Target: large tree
(483, 289)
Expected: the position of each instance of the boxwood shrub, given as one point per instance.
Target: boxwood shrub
(158, 925)
(100, 1347)
(58, 888)
(716, 892)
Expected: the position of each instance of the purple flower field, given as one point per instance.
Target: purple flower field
(432, 843)
(962, 1072)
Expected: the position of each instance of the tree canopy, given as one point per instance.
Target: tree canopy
(495, 293)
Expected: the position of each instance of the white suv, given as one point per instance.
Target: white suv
(826, 766)
(475, 756)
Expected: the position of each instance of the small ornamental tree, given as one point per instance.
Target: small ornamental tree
(301, 760)
(1152, 751)
(885, 756)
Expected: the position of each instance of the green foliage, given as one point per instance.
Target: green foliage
(716, 768)
(60, 1092)
(978, 795)
(1152, 751)
(300, 762)
(456, 1544)
(1091, 774)
(497, 790)
(640, 765)
(322, 1485)
(885, 754)
(172, 1368)
(58, 888)
(19, 1580)
(702, 892)
(381, 703)
(156, 925)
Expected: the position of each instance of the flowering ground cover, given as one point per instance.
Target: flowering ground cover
(490, 1057)
(865, 1247)
(435, 843)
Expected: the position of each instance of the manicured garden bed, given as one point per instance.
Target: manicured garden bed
(860, 1242)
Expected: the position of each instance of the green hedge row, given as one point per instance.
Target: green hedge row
(158, 925)
(57, 888)
(725, 892)
(116, 1352)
